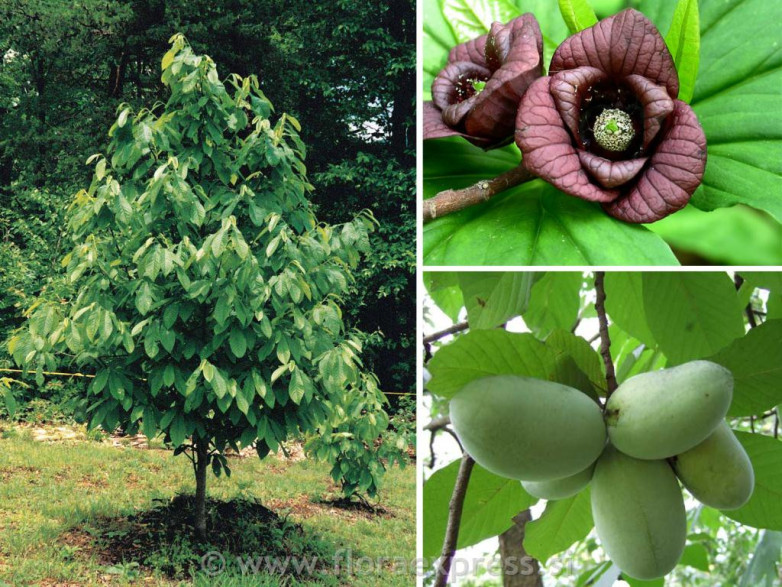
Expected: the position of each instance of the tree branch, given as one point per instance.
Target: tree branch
(449, 201)
(605, 340)
(435, 336)
(438, 423)
(454, 519)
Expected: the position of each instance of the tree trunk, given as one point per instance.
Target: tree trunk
(518, 568)
(402, 121)
(202, 462)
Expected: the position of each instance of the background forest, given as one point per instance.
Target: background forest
(66, 67)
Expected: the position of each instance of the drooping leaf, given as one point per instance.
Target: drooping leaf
(578, 364)
(482, 353)
(492, 298)
(554, 302)
(564, 522)
(683, 40)
(696, 555)
(577, 14)
(624, 304)
(489, 507)
(691, 315)
(763, 570)
(756, 364)
(764, 508)
(443, 288)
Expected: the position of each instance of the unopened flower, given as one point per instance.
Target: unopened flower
(606, 125)
(477, 94)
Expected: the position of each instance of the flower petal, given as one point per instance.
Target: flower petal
(568, 89)
(656, 102)
(435, 128)
(446, 88)
(547, 146)
(674, 171)
(610, 174)
(519, 46)
(621, 45)
(473, 51)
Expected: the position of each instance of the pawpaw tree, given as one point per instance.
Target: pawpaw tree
(206, 295)
(684, 370)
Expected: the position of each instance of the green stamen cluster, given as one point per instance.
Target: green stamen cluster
(613, 130)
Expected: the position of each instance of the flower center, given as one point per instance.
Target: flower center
(469, 86)
(613, 130)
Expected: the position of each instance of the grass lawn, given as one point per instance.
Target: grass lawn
(63, 502)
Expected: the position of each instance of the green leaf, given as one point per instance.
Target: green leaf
(577, 363)
(684, 41)
(492, 298)
(489, 507)
(241, 402)
(577, 14)
(691, 315)
(738, 100)
(168, 339)
(534, 224)
(168, 59)
(238, 343)
(208, 370)
(624, 304)
(482, 353)
(739, 235)
(552, 25)
(149, 423)
(696, 556)
(770, 280)
(10, 400)
(764, 508)
(563, 523)
(762, 570)
(443, 288)
(177, 430)
(472, 18)
(554, 302)
(754, 360)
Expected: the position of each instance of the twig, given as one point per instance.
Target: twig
(438, 423)
(454, 519)
(454, 435)
(449, 201)
(605, 340)
(435, 336)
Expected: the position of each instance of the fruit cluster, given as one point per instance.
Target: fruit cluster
(659, 425)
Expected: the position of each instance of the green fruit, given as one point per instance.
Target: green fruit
(524, 428)
(639, 514)
(660, 414)
(559, 488)
(718, 471)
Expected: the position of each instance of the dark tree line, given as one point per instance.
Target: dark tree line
(346, 69)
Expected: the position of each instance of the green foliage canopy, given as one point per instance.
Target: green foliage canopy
(207, 295)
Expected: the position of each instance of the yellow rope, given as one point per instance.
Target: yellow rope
(47, 373)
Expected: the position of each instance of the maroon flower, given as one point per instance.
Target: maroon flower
(606, 125)
(477, 94)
